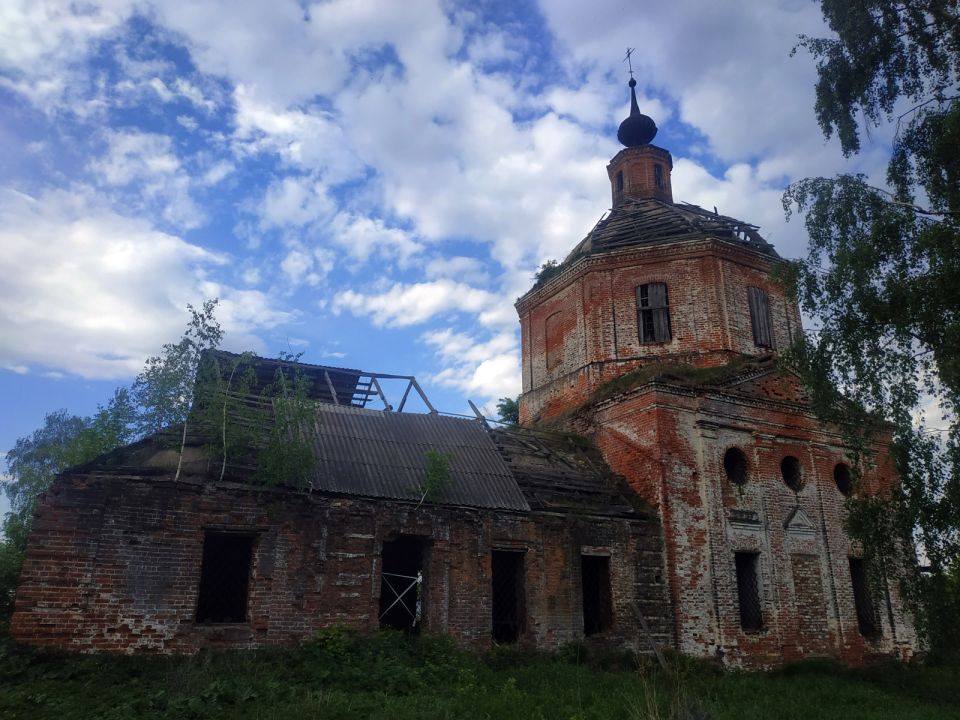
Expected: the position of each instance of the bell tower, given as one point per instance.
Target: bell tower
(640, 170)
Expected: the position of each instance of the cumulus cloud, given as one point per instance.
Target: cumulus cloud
(92, 293)
(489, 370)
(411, 304)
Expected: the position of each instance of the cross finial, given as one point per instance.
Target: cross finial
(628, 61)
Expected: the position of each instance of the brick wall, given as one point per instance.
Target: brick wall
(114, 564)
(669, 442)
(591, 309)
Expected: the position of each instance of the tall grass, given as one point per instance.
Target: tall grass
(340, 675)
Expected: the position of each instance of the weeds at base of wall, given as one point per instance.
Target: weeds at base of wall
(342, 674)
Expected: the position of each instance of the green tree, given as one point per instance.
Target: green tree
(64, 441)
(882, 277)
(509, 410)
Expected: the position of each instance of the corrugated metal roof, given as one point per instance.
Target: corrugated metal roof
(384, 454)
(650, 221)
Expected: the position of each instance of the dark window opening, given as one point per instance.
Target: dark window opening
(790, 470)
(402, 583)
(748, 591)
(620, 181)
(735, 465)
(508, 595)
(224, 578)
(760, 317)
(843, 478)
(658, 176)
(868, 622)
(597, 600)
(653, 313)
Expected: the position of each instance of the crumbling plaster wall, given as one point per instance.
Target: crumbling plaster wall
(113, 564)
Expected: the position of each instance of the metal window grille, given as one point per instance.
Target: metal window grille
(653, 313)
(748, 591)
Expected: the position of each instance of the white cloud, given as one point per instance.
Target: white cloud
(147, 165)
(490, 369)
(86, 291)
(411, 304)
(465, 269)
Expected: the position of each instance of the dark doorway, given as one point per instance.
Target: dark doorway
(597, 601)
(508, 595)
(402, 583)
(224, 578)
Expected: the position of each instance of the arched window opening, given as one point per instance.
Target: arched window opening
(658, 176)
(735, 465)
(843, 478)
(790, 470)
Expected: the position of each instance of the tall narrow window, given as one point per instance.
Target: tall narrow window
(224, 578)
(760, 317)
(597, 601)
(867, 620)
(658, 176)
(508, 595)
(620, 181)
(748, 591)
(653, 313)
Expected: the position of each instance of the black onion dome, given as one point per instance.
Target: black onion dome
(638, 129)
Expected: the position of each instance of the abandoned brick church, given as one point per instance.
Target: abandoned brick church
(668, 486)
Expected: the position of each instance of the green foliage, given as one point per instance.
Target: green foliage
(509, 410)
(881, 279)
(883, 51)
(64, 441)
(287, 457)
(388, 675)
(164, 389)
(438, 476)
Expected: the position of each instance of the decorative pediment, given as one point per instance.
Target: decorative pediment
(771, 384)
(741, 519)
(799, 523)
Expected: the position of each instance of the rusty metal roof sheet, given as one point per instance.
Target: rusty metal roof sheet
(384, 454)
(650, 221)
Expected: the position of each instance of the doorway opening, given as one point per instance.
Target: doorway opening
(508, 595)
(597, 600)
(402, 583)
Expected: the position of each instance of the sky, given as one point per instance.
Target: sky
(372, 183)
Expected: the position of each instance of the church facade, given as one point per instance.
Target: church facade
(668, 485)
(658, 336)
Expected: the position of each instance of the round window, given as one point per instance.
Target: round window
(843, 478)
(790, 469)
(735, 465)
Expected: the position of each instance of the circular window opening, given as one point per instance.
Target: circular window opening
(790, 469)
(735, 465)
(843, 478)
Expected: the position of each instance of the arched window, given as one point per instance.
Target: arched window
(735, 465)
(792, 475)
(658, 176)
(843, 479)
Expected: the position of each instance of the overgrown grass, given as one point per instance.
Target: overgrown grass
(389, 676)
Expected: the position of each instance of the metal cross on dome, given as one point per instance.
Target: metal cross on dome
(628, 61)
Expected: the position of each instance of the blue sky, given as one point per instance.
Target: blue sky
(372, 183)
